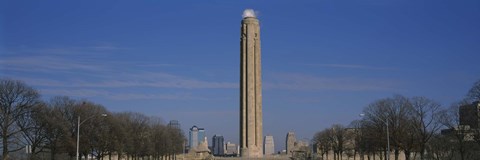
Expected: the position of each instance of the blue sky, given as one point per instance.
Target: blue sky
(323, 61)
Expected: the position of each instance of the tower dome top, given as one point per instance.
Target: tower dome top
(249, 13)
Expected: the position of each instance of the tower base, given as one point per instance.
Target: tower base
(251, 152)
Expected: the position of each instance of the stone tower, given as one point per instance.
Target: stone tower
(251, 135)
(290, 142)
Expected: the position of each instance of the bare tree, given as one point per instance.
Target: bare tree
(476, 135)
(124, 144)
(137, 130)
(402, 135)
(322, 139)
(16, 99)
(93, 129)
(425, 121)
(333, 138)
(26, 120)
(158, 135)
(355, 137)
(439, 148)
(69, 113)
(114, 136)
(474, 92)
(58, 138)
(338, 139)
(178, 139)
(377, 114)
(168, 140)
(409, 140)
(396, 112)
(33, 127)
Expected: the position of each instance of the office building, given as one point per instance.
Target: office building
(470, 115)
(217, 145)
(196, 136)
(174, 124)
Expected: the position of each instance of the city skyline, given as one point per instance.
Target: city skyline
(179, 60)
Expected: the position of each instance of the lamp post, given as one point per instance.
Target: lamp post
(183, 152)
(388, 135)
(78, 130)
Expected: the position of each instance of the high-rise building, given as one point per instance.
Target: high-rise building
(196, 136)
(268, 146)
(470, 115)
(251, 133)
(174, 124)
(217, 145)
(290, 142)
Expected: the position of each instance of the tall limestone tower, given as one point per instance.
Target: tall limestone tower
(251, 135)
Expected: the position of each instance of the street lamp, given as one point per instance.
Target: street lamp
(78, 129)
(388, 135)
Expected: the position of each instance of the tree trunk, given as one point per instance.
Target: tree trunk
(422, 153)
(396, 154)
(52, 154)
(354, 154)
(407, 154)
(32, 154)
(5, 144)
(381, 155)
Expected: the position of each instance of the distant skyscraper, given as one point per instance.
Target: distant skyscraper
(217, 145)
(268, 146)
(470, 115)
(290, 142)
(174, 124)
(251, 134)
(196, 136)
